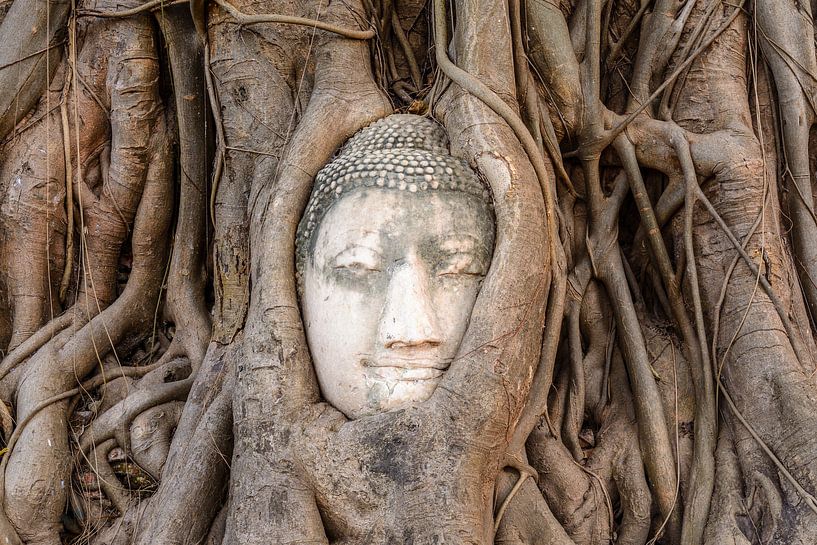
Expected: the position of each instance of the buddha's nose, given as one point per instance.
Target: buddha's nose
(409, 319)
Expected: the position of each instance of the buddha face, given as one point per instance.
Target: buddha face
(388, 289)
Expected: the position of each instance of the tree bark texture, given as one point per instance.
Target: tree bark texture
(639, 366)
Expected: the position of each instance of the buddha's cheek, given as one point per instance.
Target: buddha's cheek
(341, 326)
(455, 301)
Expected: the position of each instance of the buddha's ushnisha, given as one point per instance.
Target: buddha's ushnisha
(390, 255)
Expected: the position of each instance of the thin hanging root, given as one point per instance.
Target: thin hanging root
(34, 24)
(703, 469)
(221, 143)
(152, 5)
(596, 478)
(677, 453)
(472, 85)
(722, 297)
(545, 140)
(542, 379)
(659, 49)
(667, 205)
(502, 508)
(131, 312)
(810, 500)
(244, 19)
(613, 133)
(616, 48)
(665, 109)
(526, 85)
(385, 20)
(626, 152)
(799, 351)
(69, 193)
(654, 439)
(402, 39)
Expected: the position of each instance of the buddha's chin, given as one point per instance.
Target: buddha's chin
(393, 395)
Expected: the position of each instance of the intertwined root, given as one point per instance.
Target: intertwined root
(665, 257)
(122, 187)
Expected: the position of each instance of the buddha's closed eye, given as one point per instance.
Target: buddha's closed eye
(460, 255)
(461, 264)
(358, 260)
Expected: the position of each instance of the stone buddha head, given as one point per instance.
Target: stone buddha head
(391, 252)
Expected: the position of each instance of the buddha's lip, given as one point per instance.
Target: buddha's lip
(408, 363)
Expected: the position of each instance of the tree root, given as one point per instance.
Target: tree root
(116, 422)
(97, 460)
(150, 5)
(244, 19)
(196, 470)
(591, 404)
(25, 84)
(47, 372)
(28, 347)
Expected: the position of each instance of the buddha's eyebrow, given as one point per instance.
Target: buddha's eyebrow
(360, 232)
(354, 246)
(460, 242)
(349, 238)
